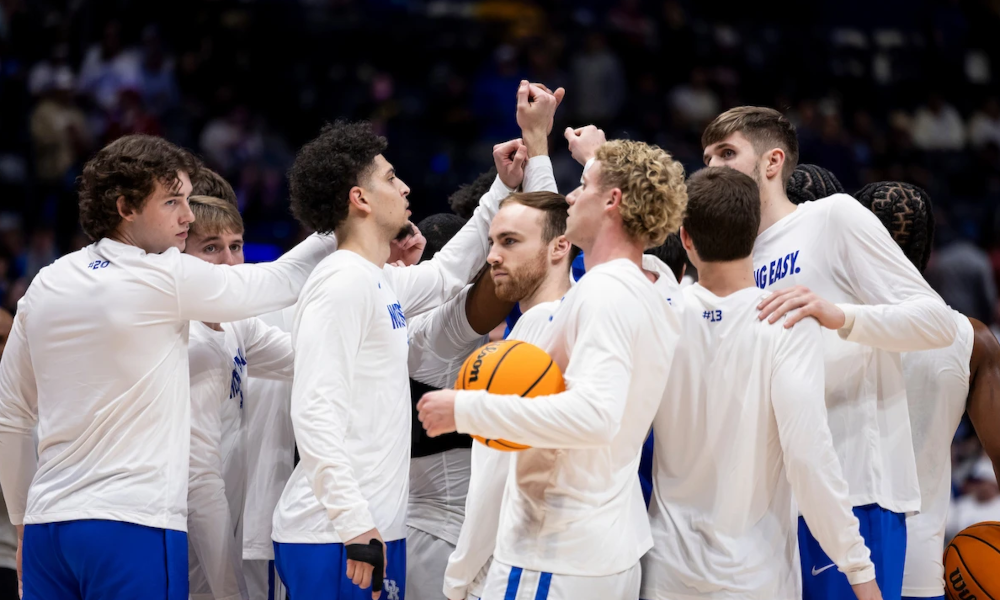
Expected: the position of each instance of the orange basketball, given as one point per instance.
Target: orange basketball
(972, 563)
(510, 367)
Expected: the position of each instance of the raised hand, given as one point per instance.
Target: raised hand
(536, 109)
(509, 158)
(584, 142)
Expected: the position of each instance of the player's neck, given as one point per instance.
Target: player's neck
(612, 244)
(725, 278)
(553, 287)
(774, 206)
(364, 240)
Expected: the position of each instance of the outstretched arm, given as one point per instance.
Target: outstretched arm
(984, 391)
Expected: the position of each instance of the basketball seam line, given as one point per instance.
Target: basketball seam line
(497, 368)
(959, 553)
(540, 377)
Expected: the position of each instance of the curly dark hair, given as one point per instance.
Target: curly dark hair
(210, 183)
(128, 168)
(438, 229)
(672, 253)
(327, 168)
(466, 198)
(906, 211)
(810, 182)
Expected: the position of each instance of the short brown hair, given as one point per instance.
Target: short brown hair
(652, 184)
(723, 214)
(210, 183)
(765, 128)
(128, 168)
(214, 216)
(554, 206)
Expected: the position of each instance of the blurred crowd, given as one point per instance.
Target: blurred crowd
(898, 89)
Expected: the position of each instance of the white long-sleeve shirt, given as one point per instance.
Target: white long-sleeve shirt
(576, 489)
(841, 251)
(937, 390)
(351, 399)
(97, 358)
(741, 427)
(468, 564)
(220, 363)
(270, 452)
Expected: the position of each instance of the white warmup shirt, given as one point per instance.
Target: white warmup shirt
(469, 563)
(937, 390)
(351, 403)
(98, 359)
(575, 506)
(220, 362)
(440, 341)
(271, 452)
(742, 425)
(840, 250)
(8, 539)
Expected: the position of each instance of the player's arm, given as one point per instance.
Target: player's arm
(210, 524)
(222, 293)
(18, 418)
(899, 311)
(332, 325)
(441, 340)
(426, 285)
(984, 391)
(478, 537)
(811, 463)
(483, 309)
(589, 413)
(269, 350)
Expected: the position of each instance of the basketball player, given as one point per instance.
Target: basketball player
(221, 358)
(573, 523)
(8, 533)
(98, 361)
(742, 427)
(940, 386)
(830, 259)
(209, 183)
(529, 264)
(440, 341)
(350, 398)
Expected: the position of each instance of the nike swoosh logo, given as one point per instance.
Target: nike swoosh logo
(816, 571)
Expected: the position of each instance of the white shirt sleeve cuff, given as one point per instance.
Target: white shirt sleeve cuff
(863, 576)
(590, 161)
(500, 188)
(463, 407)
(353, 523)
(850, 316)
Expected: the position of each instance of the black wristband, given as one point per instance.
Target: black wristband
(373, 555)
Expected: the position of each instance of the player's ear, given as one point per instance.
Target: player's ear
(775, 163)
(686, 240)
(358, 200)
(614, 199)
(559, 248)
(126, 212)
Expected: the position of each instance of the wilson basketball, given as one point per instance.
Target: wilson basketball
(972, 563)
(510, 367)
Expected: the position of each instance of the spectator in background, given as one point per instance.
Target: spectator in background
(229, 141)
(108, 68)
(598, 81)
(984, 128)
(979, 502)
(156, 77)
(43, 73)
(962, 273)
(694, 103)
(938, 126)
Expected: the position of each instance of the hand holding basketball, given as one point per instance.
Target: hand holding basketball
(437, 412)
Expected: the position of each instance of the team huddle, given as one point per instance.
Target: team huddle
(779, 429)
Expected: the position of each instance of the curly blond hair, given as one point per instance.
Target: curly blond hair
(654, 194)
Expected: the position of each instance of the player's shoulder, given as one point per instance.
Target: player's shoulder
(844, 209)
(345, 271)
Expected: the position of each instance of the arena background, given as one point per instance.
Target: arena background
(890, 89)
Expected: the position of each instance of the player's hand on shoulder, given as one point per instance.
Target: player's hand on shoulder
(584, 142)
(436, 411)
(804, 303)
(509, 158)
(408, 250)
(359, 571)
(867, 591)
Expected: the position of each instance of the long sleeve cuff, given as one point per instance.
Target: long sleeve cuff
(850, 316)
(353, 523)
(863, 576)
(463, 406)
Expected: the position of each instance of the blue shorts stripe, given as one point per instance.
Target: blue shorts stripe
(543, 586)
(512, 583)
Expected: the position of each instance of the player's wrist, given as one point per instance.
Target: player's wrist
(537, 142)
